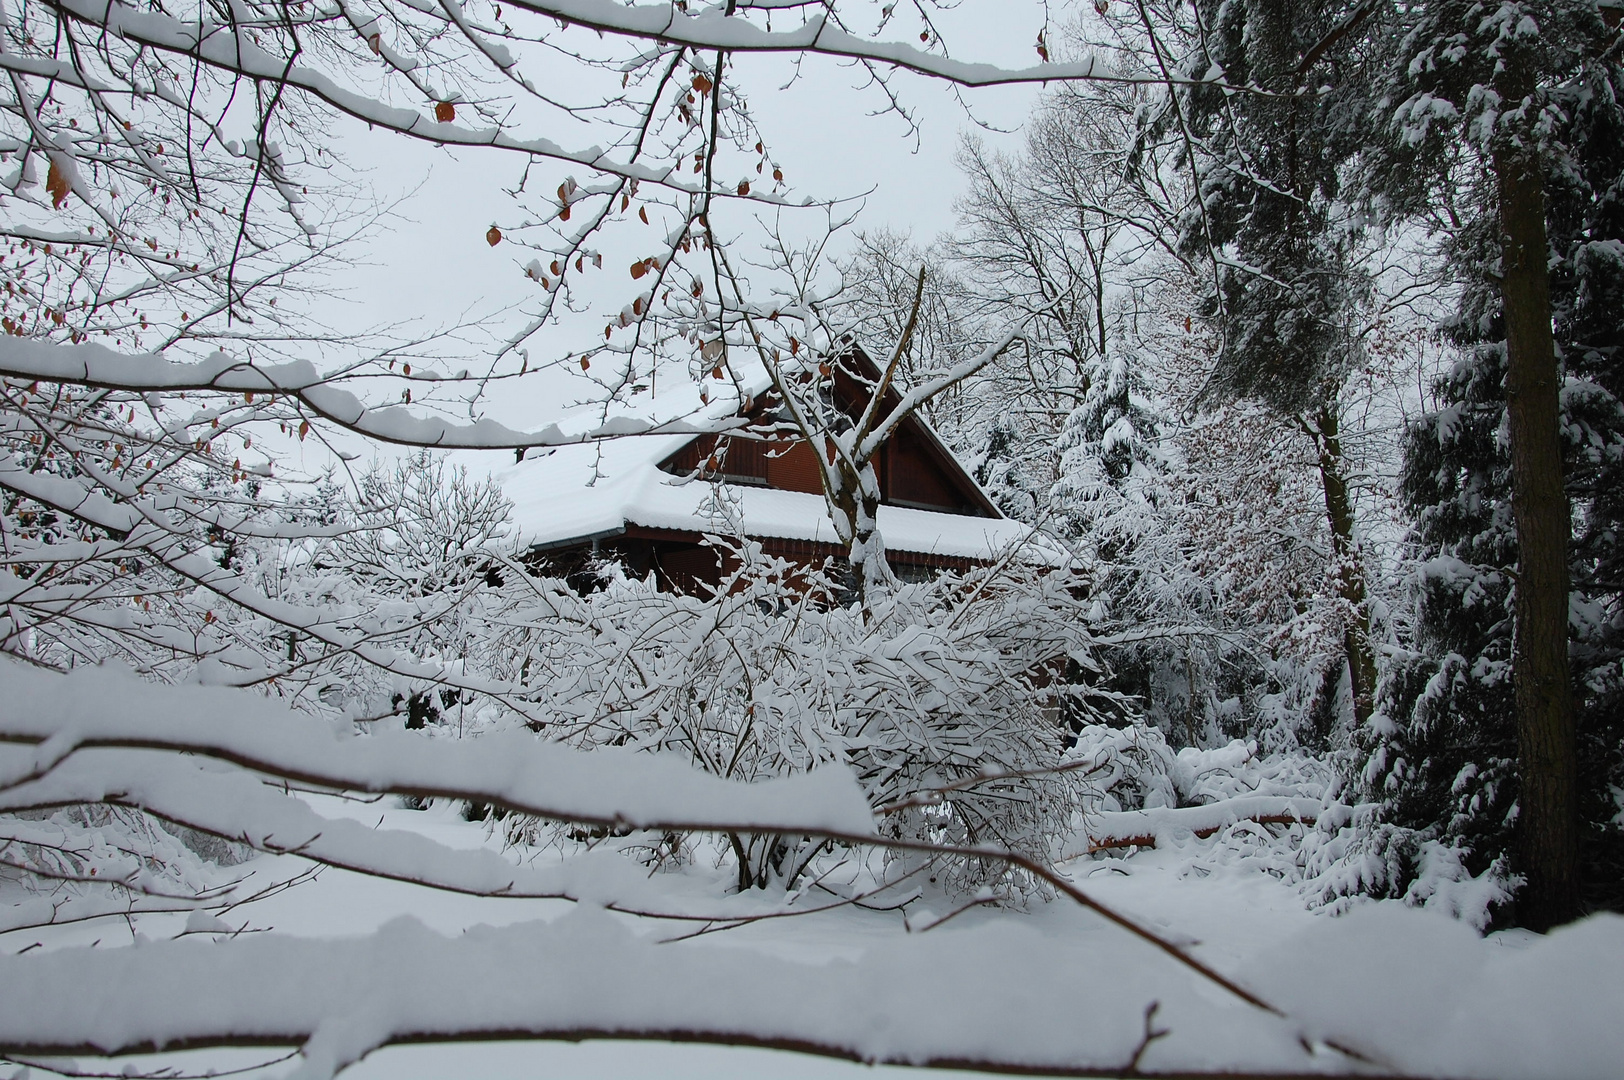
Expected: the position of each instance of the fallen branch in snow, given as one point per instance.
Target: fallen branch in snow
(1143, 828)
(1148, 840)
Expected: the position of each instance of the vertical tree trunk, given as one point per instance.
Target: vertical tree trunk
(855, 509)
(1350, 571)
(1548, 818)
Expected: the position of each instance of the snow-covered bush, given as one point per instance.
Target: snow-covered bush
(1134, 768)
(107, 849)
(948, 698)
(418, 562)
(1279, 813)
(1130, 768)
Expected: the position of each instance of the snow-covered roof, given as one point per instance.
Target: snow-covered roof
(580, 492)
(585, 491)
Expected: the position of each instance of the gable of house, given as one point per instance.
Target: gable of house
(914, 469)
(644, 502)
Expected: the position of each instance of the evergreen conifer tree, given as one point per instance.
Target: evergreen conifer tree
(1110, 464)
(1443, 757)
(1000, 462)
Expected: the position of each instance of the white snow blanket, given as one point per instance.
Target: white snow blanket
(1383, 989)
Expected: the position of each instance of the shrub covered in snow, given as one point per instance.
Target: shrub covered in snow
(948, 698)
(1280, 813)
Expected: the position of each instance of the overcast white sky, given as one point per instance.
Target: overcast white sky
(819, 128)
(434, 267)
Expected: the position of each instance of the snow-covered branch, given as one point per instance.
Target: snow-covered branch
(586, 976)
(97, 367)
(58, 716)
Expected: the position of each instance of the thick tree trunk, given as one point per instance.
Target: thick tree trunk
(855, 508)
(1350, 571)
(1548, 818)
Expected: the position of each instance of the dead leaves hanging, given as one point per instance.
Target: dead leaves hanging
(56, 184)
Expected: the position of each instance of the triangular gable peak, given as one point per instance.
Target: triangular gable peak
(915, 469)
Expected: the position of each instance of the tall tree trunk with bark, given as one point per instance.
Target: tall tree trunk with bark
(1325, 431)
(855, 509)
(1548, 817)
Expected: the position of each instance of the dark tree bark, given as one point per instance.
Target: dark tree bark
(1548, 818)
(1350, 572)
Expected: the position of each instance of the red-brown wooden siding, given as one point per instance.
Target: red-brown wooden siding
(795, 469)
(918, 479)
(909, 468)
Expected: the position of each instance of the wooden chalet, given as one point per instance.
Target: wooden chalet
(649, 501)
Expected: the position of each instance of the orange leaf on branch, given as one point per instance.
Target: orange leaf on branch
(56, 183)
(702, 83)
(445, 112)
(493, 236)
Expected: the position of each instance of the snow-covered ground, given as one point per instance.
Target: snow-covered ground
(1413, 990)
